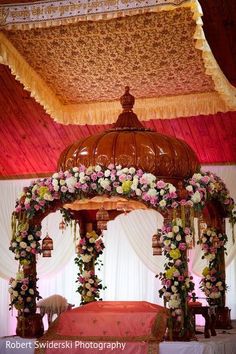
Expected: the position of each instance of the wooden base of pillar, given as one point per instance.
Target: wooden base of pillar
(30, 326)
(223, 320)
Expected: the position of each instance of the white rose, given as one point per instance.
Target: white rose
(175, 229)
(89, 293)
(172, 189)
(55, 175)
(30, 237)
(162, 203)
(71, 181)
(62, 182)
(31, 291)
(75, 169)
(178, 237)
(125, 170)
(87, 285)
(119, 190)
(55, 182)
(118, 167)
(196, 197)
(23, 244)
(98, 168)
(172, 246)
(178, 222)
(14, 244)
(13, 284)
(47, 196)
(189, 188)
(197, 176)
(162, 192)
(10, 290)
(176, 283)
(131, 170)
(91, 240)
(91, 281)
(15, 293)
(28, 249)
(138, 192)
(170, 235)
(104, 183)
(173, 289)
(107, 173)
(219, 283)
(152, 192)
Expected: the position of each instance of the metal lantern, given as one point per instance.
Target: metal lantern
(156, 244)
(102, 218)
(47, 246)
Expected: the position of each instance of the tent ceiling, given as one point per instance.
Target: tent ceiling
(77, 70)
(31, 142)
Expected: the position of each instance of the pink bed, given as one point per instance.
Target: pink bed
(138, 324)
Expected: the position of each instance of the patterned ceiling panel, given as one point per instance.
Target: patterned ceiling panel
(92, 61)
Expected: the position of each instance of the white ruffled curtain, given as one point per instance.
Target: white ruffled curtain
(129, 267)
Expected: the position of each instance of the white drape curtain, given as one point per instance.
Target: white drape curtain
(129, 267)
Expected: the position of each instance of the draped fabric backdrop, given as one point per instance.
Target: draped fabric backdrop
(129, 267)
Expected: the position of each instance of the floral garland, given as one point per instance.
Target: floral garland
(213, 283)
(177, 285)
(25, 243)
(205, 186)
(90, 247)
(22, 292)
(82, 181)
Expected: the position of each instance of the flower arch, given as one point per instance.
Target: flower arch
(48, 194)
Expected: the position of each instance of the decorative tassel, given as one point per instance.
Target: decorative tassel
(233, 235)
(182, 208)
(75, 230)
(174, 214)
(192, 224)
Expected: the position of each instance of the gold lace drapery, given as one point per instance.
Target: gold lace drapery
(77, 71)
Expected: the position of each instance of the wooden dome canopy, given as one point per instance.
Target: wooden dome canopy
(128, 144)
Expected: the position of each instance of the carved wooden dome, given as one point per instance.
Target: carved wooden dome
(128, 143)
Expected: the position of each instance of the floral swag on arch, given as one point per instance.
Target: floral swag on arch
(80, 182)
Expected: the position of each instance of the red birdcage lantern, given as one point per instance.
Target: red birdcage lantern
(102, 217)
(47, 246)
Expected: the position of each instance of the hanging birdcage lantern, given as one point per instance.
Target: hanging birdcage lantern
(102, 217)
(47, 246)
(156, 244)
(62, 225)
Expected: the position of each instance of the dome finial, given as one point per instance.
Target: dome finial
(127, 100)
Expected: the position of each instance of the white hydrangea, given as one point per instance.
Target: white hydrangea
(71, 181)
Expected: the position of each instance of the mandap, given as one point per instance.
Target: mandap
(125, 168)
